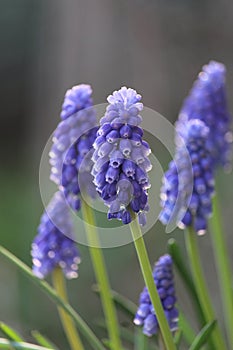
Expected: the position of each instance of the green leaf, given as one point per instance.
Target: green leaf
(124, 304)
(127, 335)
(187, 330)
(10, 333)
(124, 332)
(42, 340)
(203, 336)
(141, 341)
(13, 345)
(82, 326)
(178, 337)
(180, 264)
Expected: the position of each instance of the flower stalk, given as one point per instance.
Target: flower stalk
(199, 280)
(101, 276)
(149, 281)
(223, 268)
(68, 325)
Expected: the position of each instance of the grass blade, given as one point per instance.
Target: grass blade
(42, 340)
(203, 336)
(10, 333)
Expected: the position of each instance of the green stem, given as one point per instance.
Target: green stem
(199, 280)
(223, 268)
(149, 281)
(81, 324)
(101, 276)
(67, 322)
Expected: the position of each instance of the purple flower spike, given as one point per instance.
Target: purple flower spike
(207, 101)
(53, 246)
(76, 99)
(70, 155)
(121, 158)
(194, 205)
(146, 316)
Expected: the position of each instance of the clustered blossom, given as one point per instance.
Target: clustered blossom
(70, 155)
(121, 158)
(204, 127)
(207, 101)
(53, 246)
(195, 202)
(146, 315)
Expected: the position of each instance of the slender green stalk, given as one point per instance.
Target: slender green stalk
(199, 280)
(67, 322)
(101, 276)
(149, 281)
(223, 268)
(44, 286)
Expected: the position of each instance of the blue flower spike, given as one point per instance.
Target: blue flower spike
(204, 127)
(146, 315)
(70, 155)
(194, 207)
(120, 158)
(207, 101)
(53, 246)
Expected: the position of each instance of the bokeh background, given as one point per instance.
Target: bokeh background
(155, 46)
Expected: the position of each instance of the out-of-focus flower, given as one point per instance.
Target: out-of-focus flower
(53, 246)
(194, 185)
(146, 315)
(70, 155)
(120, 158)
(76, 99)
(207, 101)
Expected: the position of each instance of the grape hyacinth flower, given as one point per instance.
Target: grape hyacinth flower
(195, 202)
(146, 315)
(120, 158)
(207, 101)
(53, 246)
(70, 155)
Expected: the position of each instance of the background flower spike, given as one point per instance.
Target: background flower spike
(207, 101)
(53, 246)
(71, 152)
(193, 186)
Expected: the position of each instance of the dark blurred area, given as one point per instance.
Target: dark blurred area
(154, 46)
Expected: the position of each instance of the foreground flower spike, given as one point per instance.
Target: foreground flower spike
(70, 155)
(195, 203)
(53, 246)
(120, 159)
(207, 102)
(146, 315)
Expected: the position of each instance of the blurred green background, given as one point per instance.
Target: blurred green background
(47, 46)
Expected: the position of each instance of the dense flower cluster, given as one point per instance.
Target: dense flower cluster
(121, 158)
(70, 155)
(194, 205)
(53, 246)
(146, 315)
(204, 116)
(207, 101)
